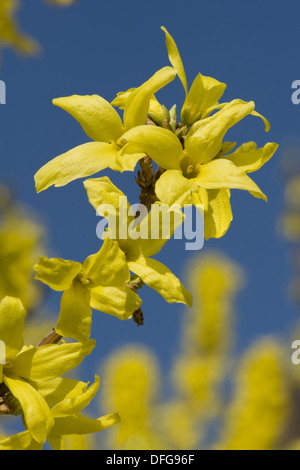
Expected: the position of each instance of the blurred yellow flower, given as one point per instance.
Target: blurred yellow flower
(61, 3)
(10, 35)
(21, 244)
(260, 408)
(215, 281)
(131, 379)
(289, 225)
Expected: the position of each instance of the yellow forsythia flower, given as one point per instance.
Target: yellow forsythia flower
(102, 124)
(99, 283)
(138, 250)
(200, 169)
(197, 166)
(31, 385)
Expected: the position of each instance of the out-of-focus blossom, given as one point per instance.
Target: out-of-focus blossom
(22, 241)
(215, 281)
(259, 411)
(180, 420)
(219, 400)
(61, 3)
(289, 222)
(130, 386)
(10, 34)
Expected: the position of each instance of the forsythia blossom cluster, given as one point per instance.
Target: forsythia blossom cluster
(194, 166)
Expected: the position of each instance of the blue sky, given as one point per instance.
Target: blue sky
(105, 47)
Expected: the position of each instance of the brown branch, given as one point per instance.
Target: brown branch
(51, 338)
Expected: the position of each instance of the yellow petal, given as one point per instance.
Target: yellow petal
(120, 302)
(159, 226)
(59, 389)
(156, 109)
(248, 158)
(159, 144)
(210, 110)
(75, 317)
(79, 424)
(205, 92)
(20, 441)
(204, 140)
(137, 105)
(37, 414)
(75, 404)
(108, 267)
(101, 192)
(222, 173)
(154, 106)
(265, 121)
(12, 314)
(175, 59)
(111, 203)
(159, 277)
(121, 98)
(218, 216)
(56, 441)
(51, 361)
(80, 162)
(57, 273)
(127, 160)
(99, 120)
(173, 188)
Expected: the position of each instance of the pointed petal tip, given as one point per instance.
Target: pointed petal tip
(57, 101)
(189, 300)
(38, 189)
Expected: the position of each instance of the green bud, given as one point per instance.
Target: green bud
(181, 132)
(185, 115)
(166, 114)
(173, 117)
